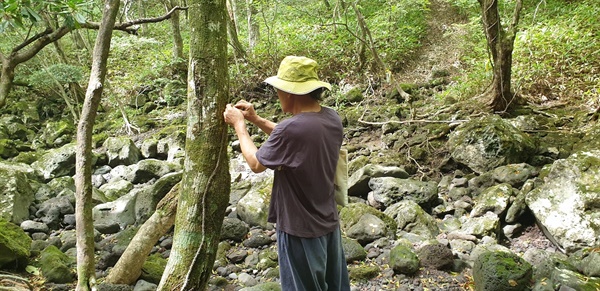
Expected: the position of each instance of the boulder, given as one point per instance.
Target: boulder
(121, 151)
(366, 224)
(389, 190)
(567, 204)
(16, 194)
(501, 271)
(14, 245)
(254, 206)
(358, 182)
(494, 199)
(56, 266)
(56, 162)
(403, 260)
(487, 143)
(411, 218)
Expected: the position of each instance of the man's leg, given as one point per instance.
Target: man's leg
(302, 262)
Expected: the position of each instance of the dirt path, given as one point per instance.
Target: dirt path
(441, 49)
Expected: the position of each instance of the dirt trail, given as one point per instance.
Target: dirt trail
(441, 47)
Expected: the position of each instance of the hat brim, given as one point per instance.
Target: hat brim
(297, 88)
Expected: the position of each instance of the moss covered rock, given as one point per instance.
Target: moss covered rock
(501, 271)
(153, 268)
(14, 245)
(56, 266)
(403, 260)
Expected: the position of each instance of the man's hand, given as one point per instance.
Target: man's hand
(247, 110)
(233, 116)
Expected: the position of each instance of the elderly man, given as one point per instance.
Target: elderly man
(303, 152)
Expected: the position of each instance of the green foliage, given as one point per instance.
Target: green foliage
(21, 13)
(58, 74)
(554, 54)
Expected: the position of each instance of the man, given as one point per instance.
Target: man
(303, 151)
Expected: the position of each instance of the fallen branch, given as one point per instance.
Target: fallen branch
(413, 121)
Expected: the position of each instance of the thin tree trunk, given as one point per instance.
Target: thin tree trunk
(253, 30)
(205, 185)
(83, 165)
(500, 43)
(238, 49)
(7, 75)
(175, 30)
(129, 267)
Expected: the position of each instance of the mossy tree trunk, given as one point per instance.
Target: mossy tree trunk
(253, 30)
(205, 185)
(175, 30)
(500, 42)
(83, 166)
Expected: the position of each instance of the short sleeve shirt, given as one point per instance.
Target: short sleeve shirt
(303, 151)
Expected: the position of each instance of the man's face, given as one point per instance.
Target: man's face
(285, 100)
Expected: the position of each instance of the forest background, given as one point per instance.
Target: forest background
(378, 48)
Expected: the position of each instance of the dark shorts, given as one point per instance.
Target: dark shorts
(312, 264)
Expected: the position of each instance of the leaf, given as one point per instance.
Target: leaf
(512, 283)
(34, 16)
(79, 17)
(32, 270)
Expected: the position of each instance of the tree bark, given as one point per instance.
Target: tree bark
(129, 267)
(205, 185)
(500, 43)
(83, 165)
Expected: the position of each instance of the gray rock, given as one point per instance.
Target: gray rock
(34, 226)
(403, 260)
(148, 197)
(253, 207)
(142, 285)
(564, 203)
(257, 239)
(514, 174)
(353, 250)
(234, 229)
(486, 143)
(494, 199)
(368, 228)
(56, 162)
(486, 225)
(52, 211)
(16, 194)
(358, 182)
(116, 189)
(411, 218)
(15, 245)
(436, 256)
(389, 190)
(121, 151)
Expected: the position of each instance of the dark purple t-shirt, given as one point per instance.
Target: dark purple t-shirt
(303, 151)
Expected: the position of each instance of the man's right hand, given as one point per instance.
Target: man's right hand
(247, 110)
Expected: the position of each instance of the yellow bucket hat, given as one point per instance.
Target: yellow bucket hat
(297, 75)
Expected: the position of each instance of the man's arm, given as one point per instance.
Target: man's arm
(235, 118)
(248, 148)
(249, 114)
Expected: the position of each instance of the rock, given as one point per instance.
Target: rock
(573, 280)
(494, 199)
(435, 256)
(15, 245)
(254, 206)
(247, 280)
(31, 226)
(501, 271)
(257, 239)
(363, 272)
(486, 143)
(56, 163)
(153, 268)
(148, 197)
(358, 182)
(142, 285)
(233, 229)
(57, 267)
(16, 194)
(411, 218)
(353, 250)
(120, 211)
(268, 286)
(486, 225)
(116, 189)
(171, 147)
(355, 219)
(121, 151)
(514, 174)
(368, 228)
(389, 190)
(403, 260)
(567, 203)
(52, 211)
(267, 258)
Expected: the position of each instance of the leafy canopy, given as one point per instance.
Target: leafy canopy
(22, 13)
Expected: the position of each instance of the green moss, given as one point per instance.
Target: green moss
(153, 268)
(14, 244)
(352, 213)
(56, 266)
(363, 273)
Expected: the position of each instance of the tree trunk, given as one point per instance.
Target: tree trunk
(238, 49)
(83, 165)
(253, 30)
(7, 75)
(500, 42)
(129, 267)
(175, 30)
(205, 185)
